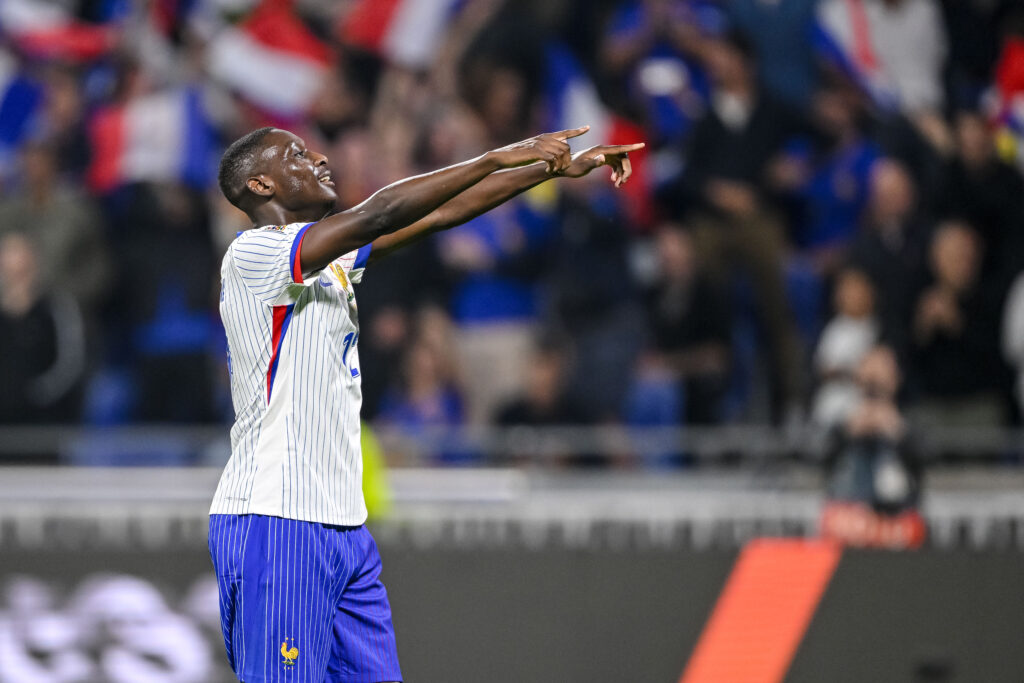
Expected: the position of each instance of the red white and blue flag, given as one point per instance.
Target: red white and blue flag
(842, 36)
(1004, 102)
(572, 100)
(47, 30)
(271, 59)
(164, 136)
(405, 32)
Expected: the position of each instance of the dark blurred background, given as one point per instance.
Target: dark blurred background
(803, 316)
(821, 178)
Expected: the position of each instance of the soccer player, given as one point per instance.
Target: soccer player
(298, 574)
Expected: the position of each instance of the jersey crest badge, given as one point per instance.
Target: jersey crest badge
(340, 273)
(290, 654)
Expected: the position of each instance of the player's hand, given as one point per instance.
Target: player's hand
(615, 156)
(551, 148)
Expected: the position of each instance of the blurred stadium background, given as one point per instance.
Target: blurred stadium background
(754, 418)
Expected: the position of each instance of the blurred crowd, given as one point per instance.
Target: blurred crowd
(827, 225)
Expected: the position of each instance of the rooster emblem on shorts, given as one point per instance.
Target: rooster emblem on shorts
(290, 654)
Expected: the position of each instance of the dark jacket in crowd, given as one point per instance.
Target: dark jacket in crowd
(42, 362)
(717, 151)
(955, 365)
(895, 262)
(992, 201)
(685, 319)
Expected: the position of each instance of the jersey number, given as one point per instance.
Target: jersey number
(350, 341)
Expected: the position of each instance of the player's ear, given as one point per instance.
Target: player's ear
(260, 185)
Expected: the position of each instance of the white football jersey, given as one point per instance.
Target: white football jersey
(294, 365)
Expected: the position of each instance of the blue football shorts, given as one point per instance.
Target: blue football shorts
(302, 602)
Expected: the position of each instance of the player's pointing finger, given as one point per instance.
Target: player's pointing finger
(571, 133)
(620, 149)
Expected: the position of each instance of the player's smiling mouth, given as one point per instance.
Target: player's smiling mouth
(325, 178)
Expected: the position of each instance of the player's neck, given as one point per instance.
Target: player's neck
(275, 214)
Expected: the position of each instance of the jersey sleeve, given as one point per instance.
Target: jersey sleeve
(267, 260)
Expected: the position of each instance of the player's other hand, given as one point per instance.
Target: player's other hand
(551, 148)
(615, 156)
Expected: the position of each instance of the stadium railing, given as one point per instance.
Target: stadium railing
(520, 486)
(743, 443)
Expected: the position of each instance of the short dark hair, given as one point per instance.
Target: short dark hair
(237, 163)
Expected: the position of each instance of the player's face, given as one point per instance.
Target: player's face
(302, 178)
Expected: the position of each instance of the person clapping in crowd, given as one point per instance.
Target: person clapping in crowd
(956, 370)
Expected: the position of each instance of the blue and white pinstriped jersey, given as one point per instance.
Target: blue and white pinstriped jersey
(295, 385)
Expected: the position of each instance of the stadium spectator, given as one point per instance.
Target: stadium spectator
(590, 297)
(401, 284)
(543, 401)
(343, 101)
(64, 225)
(63, 121)
(44, 345)
(844, 343)
(386, 331)
(424, 399)
(873, 470)
(988, 194)
(723, 191)
(871, 459)
(651, 56)
(690, 319)
(427, 391)
(499, 76)
(890, 246)
(563, 262)
(435, 329)
(830, 180)
(168, 292)
(496, 260)
(899, 49)
(955, 364)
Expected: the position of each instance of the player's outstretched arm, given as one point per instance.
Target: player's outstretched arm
(409, 200)
(498, 188)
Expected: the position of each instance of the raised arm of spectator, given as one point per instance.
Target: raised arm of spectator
(498, 188)
(407, 201)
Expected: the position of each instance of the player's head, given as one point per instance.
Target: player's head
(273, 166)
